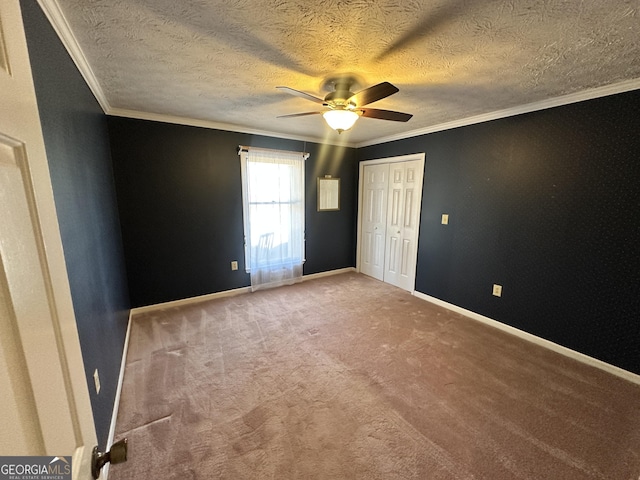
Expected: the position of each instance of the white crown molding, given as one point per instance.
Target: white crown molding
(590, 94)
(57, 19)
(156, 117)
(567, 352)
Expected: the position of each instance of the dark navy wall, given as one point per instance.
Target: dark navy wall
(77, 146)
(180, 198)
(546, 204)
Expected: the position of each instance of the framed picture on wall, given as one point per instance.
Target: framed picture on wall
(328, 193)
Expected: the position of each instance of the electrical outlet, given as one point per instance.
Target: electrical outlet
(497, 290)
(234, 265)
(96, 379)
(445, 219)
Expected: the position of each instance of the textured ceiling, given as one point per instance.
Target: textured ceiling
(220, 60)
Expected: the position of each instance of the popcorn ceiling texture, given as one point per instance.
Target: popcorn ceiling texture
(220, 60)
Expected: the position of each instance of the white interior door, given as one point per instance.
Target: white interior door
(388, 218)
(374, 219)
(43, 394)
(403, 216)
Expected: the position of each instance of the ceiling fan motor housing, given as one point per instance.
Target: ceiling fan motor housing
(342, 92)
(338, 99)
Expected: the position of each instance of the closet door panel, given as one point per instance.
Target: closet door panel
(402, 227)
(374, 220)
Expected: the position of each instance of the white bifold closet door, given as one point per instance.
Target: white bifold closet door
(390, 216)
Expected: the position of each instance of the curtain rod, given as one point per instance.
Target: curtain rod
(242, 148)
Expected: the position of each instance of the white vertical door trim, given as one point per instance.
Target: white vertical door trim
(389, 160)
(35, 287)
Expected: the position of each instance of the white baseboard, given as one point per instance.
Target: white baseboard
(313, 276)
(116, 403)
(189, 301)
(581, 357)
(226, 293)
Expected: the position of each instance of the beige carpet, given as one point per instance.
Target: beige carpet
(345, 377)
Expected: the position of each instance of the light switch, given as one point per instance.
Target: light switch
(497, 290)
(445, 219)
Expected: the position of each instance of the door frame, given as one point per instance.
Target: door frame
(377, 161)
(49, 341)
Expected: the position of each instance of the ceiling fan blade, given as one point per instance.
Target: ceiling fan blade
(300, 94)
(373, 94)
(385, 114)
(299, 114)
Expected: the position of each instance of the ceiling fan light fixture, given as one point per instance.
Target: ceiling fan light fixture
(340, 120)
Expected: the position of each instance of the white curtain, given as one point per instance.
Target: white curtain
(273, 201)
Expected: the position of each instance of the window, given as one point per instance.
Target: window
(273, 212)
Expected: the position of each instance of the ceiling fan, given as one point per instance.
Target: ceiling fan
(345, 107)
